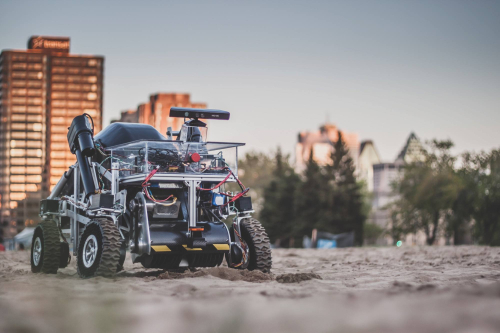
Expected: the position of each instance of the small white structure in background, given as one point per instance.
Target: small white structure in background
(384, 174)
(24, 237)
(368, 157)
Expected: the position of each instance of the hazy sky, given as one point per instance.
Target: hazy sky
(378, 68)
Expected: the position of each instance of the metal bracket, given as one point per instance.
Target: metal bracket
(192, 201)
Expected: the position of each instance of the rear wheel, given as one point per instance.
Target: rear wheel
(257, 240)
(45, 248)
(99, 249)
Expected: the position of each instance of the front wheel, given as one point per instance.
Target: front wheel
(257, 240)
(99, 249)
(45, 248)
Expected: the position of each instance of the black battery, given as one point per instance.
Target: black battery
(243, 204)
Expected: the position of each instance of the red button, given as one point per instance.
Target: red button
(195, 157)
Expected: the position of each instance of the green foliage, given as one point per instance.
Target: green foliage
(346, 205)
(328, 198)
(435, 194)
(278, 212)
(371, 232)
(428, 190)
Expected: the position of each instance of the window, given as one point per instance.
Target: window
(74, 95)
(17, 161)
(59, 146)
(91, 96)
(35, 101)
(34, 178)
(18, 117)
(58, 86)
(73, 86)
(18, 75)
(58, 70)
(91, 112)
(18, 135)
(58, 112)
(34, 92)
(58, 120)
(34, 109)
(92, 79)
(37, 127)
(59, 137)
(35, 66)
(73, 104)
(35, 75)
(17, 196)
(34, 161)
(58, 61)
(34, 118)
(74, 78)
(19, 92)
(89, 71)
(19, 57)
(58, 95)
(74, 70)
(92, 62)
(57, 154)
(17, 152)
(18, 100)
(34, 84)
(17, 179)
(34, 135)
(16, 83)
(19, 65)
(89, 104)
(59, 103)
(34, 57)
(58, 78)
(58, 129)
(74, 112)
(34, 170)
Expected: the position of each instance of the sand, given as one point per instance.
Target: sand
(412, 289)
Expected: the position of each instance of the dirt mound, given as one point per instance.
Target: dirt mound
(297, 277)
(221, 273)
(238, 275)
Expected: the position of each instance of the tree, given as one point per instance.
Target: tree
(346, 211)
(255, 170)
(486, 211)
(428, 190)
(311, 199)
(278, 213)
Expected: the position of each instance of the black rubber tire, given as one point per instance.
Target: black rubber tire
(49, 260)
(108, 249)
(254, 234)
(123, 255)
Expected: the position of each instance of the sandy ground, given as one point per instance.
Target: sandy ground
(426, 289)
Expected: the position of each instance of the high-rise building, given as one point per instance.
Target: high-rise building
(156, 111)
(41, 90)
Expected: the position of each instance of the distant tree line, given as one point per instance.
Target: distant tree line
(453, 196)
(328, 198)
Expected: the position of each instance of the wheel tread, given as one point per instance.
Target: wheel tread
(261, 243)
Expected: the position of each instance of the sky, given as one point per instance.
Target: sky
(382, 69)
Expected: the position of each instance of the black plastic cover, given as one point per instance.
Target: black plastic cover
(120, 133)
(80, 136)
(199, 113)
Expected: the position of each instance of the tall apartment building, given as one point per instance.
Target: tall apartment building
(41, 90)
(156, 111)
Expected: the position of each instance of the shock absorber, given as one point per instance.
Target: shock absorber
(81, 143)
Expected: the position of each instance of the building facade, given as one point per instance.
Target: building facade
(41, 90)
(156, 111)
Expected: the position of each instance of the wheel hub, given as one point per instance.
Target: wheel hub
(37, 251)
(90, 251)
